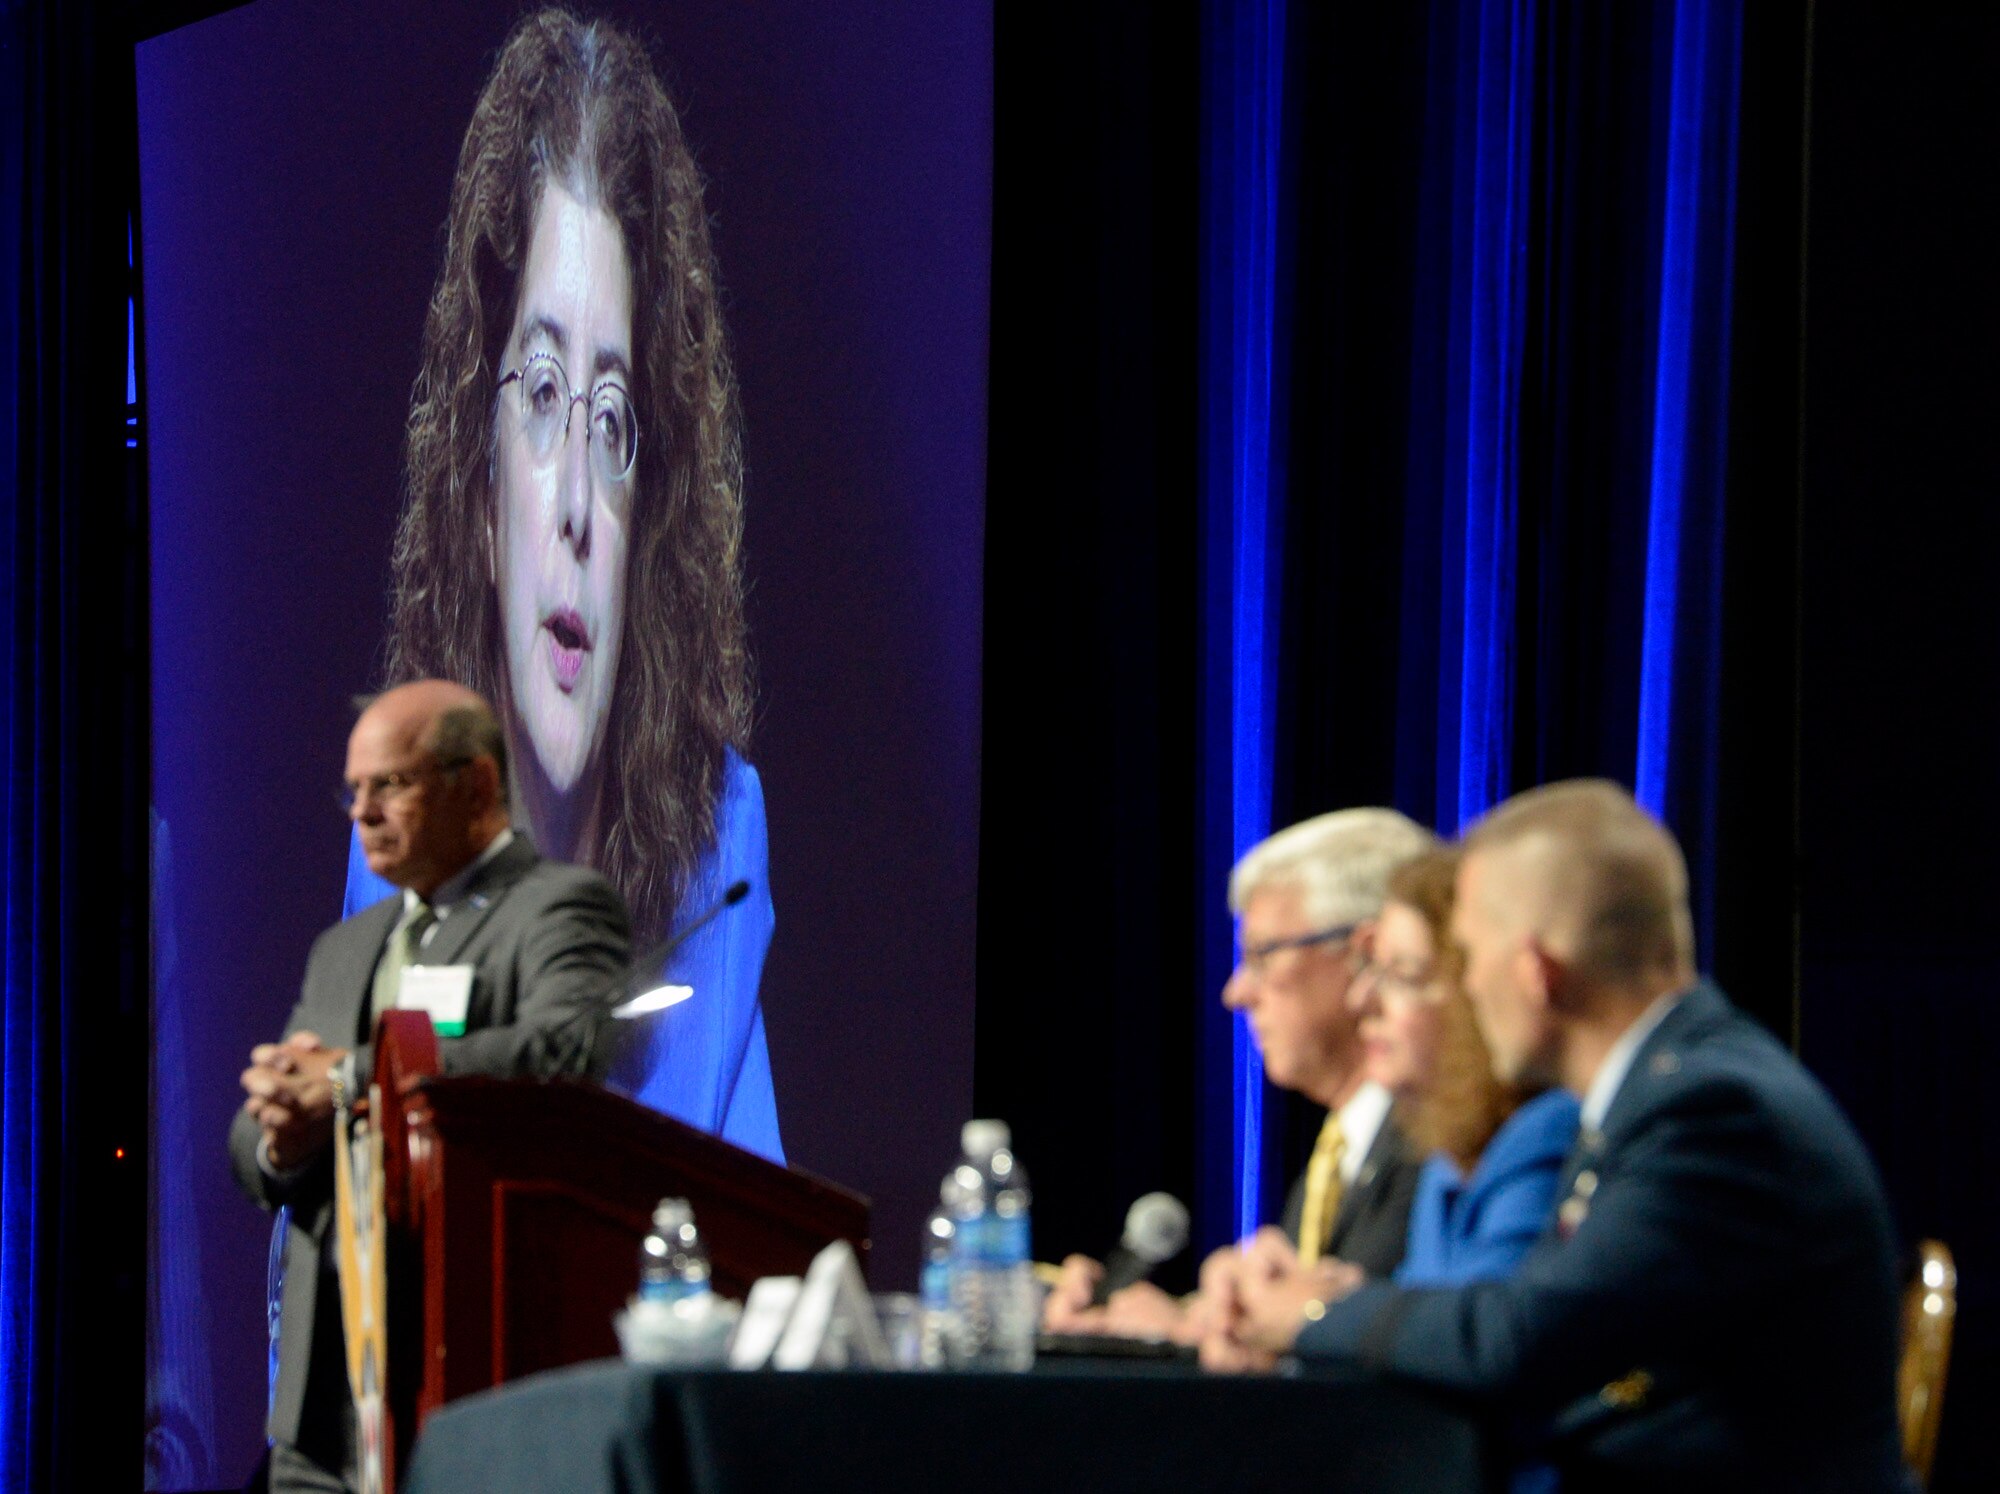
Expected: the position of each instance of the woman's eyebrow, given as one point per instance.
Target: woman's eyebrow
(545, 326)
(609, 360)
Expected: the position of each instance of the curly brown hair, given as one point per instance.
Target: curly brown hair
(578, 102)
(1464, 1103)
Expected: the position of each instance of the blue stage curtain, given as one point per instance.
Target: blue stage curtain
(24, 1042)
(1556, 606)
(73, 1031)
(1491, 108)
(1242, 490)
(1679, 747)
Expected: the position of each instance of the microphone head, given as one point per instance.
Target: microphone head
(1156, 1228)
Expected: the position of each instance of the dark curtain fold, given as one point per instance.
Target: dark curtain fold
(73, 1105)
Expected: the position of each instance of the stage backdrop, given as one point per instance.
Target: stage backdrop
(296, 163)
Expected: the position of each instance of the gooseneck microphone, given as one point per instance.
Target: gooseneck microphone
(733, 894)
(1156, 1230)
(599, 1006)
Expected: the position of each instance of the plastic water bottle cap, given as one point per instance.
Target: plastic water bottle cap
(671, 1213)
(980, 1139)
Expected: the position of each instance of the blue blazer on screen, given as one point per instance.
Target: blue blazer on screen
(1479, 1228)
(1716, 1303)
(704, 1061)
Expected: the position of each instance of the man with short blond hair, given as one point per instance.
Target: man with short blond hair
(1714, 1303)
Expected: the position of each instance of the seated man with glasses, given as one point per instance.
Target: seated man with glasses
(1305, 901)
(518, 951)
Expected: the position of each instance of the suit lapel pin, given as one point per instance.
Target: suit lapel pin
(1576, 1207)
(1571, 1215)
(1665, 1064)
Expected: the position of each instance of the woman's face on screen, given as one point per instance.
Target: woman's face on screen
(562, 509)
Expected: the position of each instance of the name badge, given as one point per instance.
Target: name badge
(442, 991)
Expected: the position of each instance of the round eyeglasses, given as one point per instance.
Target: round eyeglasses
(546, 401)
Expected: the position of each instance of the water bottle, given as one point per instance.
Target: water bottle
(992, 1279)
(934, 1288)
(673, 1265)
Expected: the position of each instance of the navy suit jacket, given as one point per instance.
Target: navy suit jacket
(1715, 1304)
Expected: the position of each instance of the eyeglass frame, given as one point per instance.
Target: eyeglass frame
(387, 788)
(587, 397)
(1254, 957)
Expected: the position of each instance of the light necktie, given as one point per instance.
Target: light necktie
(1323, 1190)
(404, 942)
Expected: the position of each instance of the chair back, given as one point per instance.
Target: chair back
(1929, 1306)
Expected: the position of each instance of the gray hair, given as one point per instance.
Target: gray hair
(1338, 863)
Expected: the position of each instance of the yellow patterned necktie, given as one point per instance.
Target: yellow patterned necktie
(1323, 1190)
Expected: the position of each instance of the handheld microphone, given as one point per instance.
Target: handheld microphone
(1156, 1230)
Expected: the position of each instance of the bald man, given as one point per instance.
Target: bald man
(1714, 1304)
(517, 949)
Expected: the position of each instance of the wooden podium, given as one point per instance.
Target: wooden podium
(511, 1215)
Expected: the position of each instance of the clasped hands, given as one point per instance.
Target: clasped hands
(290, 1097)
(1249, 1310)
(1254, 1300)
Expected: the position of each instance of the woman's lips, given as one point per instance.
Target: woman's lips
(569, 641)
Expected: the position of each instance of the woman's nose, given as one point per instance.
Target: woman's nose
(573, 489)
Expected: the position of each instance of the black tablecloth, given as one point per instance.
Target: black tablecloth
(607, 1427)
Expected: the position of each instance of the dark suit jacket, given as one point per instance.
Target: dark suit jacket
(1716, 1305)
(1372, 1229)
(545, 941)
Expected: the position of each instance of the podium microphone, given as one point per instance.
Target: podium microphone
(731, 896)
(615, 998)
(1156, 1230)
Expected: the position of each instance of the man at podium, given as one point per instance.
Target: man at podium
(507, 952)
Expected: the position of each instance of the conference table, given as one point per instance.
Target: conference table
(1068, 1424)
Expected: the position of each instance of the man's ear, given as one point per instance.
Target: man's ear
(1540, 974)
(484, 775)
(1547, 975)
(1362, 941)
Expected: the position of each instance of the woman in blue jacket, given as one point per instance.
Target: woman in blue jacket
(570, 541)
(1496, 1150)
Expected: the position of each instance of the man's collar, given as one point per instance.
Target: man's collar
(1610, 1076)
(1360, 1123)
(454, 889)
